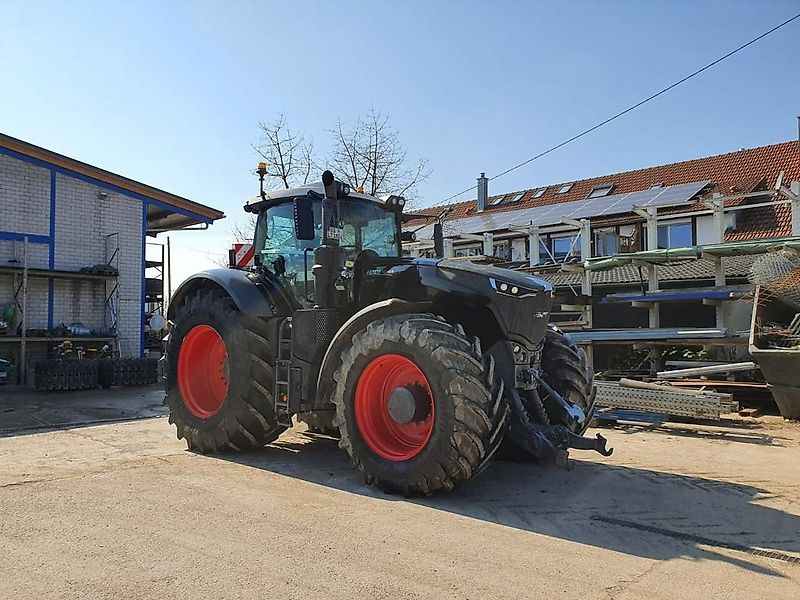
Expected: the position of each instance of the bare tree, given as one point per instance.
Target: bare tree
(242, 233)
(369, 155)
(289, 156)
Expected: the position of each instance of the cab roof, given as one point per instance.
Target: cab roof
(272, 197)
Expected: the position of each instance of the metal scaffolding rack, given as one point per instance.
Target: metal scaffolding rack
(21, 274)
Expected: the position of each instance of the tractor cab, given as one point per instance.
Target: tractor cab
(289, 227)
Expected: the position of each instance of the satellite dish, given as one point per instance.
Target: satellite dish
(157, 322)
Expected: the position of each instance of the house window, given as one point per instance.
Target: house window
(601, 190)
(630, 238)
(675, 235)
(502, 250)
(518, 197)
(495, 201)
(606, 241)
(540, 192)
(565, 246)
(564, 188)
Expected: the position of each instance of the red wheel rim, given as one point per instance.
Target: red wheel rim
(203, 371)
(387, 437)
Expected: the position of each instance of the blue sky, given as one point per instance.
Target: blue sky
(170, 93)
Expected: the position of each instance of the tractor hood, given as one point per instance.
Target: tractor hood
(521, 303)
(497, 274)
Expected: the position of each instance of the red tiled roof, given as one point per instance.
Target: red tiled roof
(762, 222)
(732, 173)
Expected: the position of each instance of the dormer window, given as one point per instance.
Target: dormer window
(601, 190)
(564, 188)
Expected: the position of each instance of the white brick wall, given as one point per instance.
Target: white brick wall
(83, 219)
(37, 253)
(25, 208)
(24, 197)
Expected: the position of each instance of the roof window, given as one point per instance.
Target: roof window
(540, 192)
(601, 190)
(496, 201)
(564, 188)
(518, 197)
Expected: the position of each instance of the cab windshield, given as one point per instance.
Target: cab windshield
(367, 226)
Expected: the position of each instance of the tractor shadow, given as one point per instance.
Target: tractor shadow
(639, 512)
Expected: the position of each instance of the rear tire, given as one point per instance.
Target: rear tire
(463, 414)
(237, 413)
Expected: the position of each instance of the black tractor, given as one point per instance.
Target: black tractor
(424, 367)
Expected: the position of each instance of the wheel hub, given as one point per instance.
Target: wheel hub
(407, 404)
(394, 407)
(203, 371)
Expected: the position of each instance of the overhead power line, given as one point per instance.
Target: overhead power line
(632, 107)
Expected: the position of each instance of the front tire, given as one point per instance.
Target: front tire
(567, 370)
(219, 376)
(416, 405)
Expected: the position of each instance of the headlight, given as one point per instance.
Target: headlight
(511, 289)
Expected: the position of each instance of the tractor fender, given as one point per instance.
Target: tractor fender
(522, 319)
(253, 295)
(378, 310)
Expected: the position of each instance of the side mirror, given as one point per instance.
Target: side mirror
(438, 240)
(304, 218)
(408, 236)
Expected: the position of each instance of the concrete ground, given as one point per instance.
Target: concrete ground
(122, 510)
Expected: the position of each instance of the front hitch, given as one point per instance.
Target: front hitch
(547, 442)
(572, 411)
(579, 442)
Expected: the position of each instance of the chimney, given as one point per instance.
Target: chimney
(483, 192)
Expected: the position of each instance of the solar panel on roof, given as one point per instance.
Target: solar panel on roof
(675, 194)
(505, 219)
(607, 205)
(595, 208)
(551, 214)
(640, 198)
